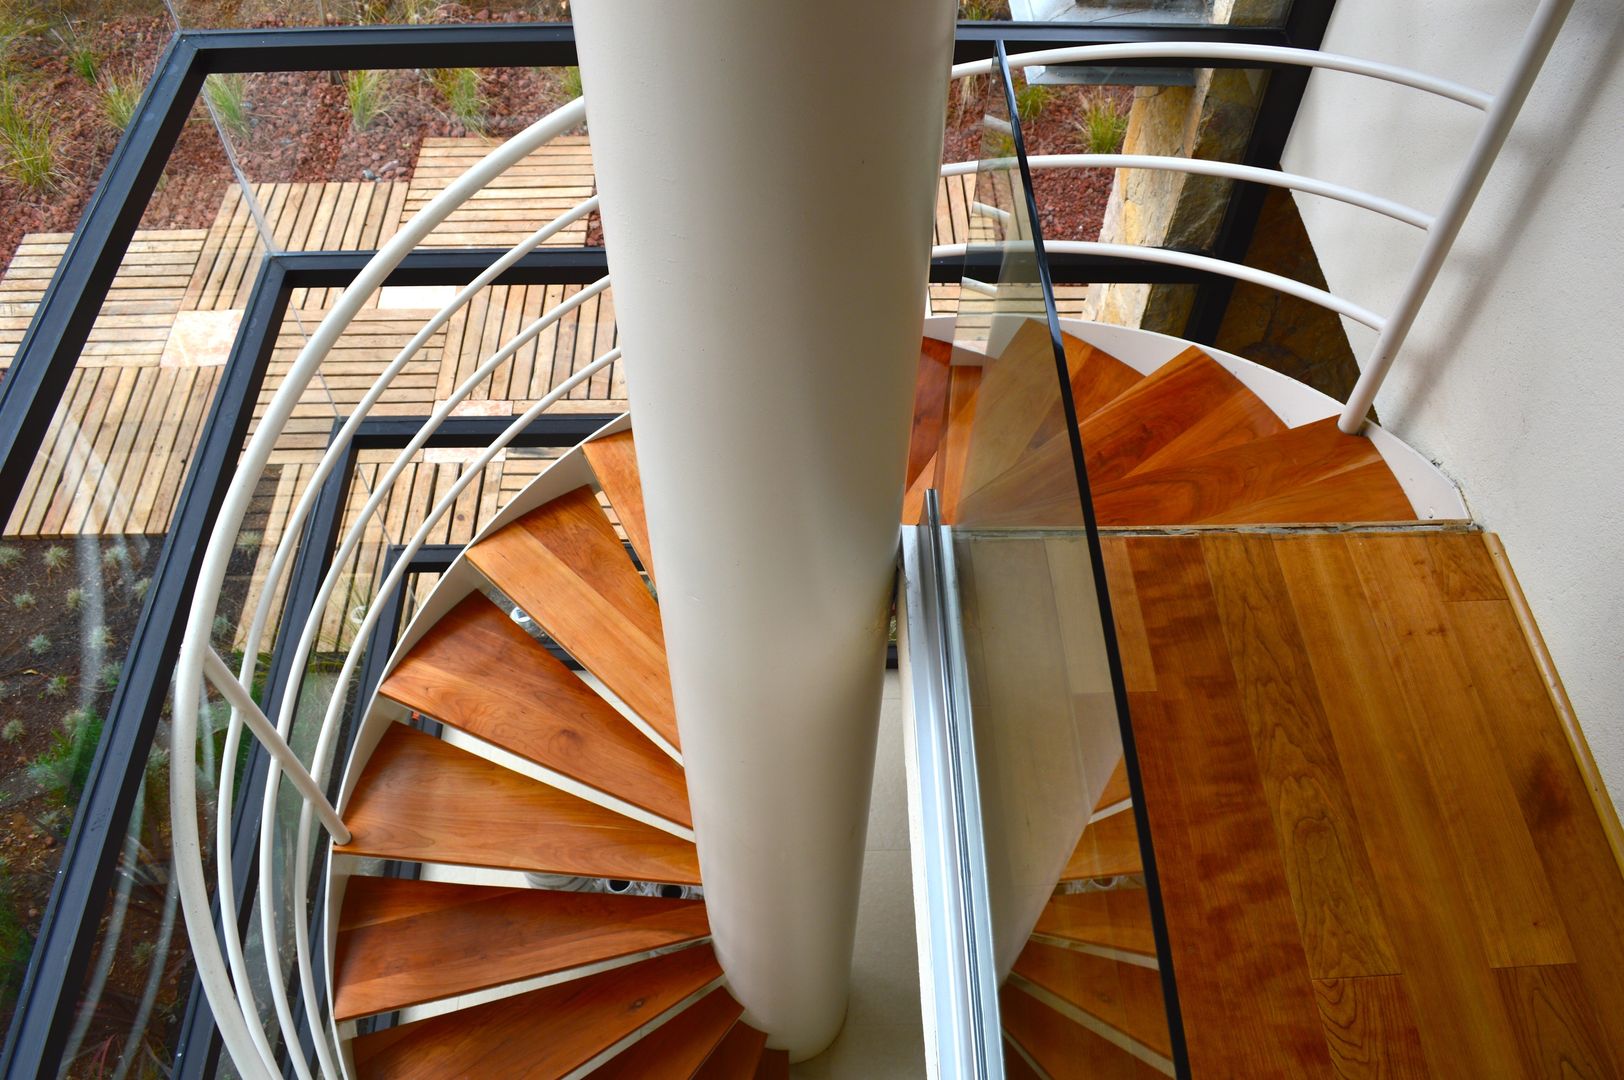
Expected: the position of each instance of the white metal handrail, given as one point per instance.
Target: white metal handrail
(1191, 261)
(1501, 111)
(1261, 55)
(240, 1030)
(1203, 167)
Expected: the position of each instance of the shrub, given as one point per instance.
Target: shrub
(109, 675)
(249, 540)
(368, 95)
(101, 637)
(12, 731)
(413, 12)
(56, 687)
(139, 587)
(463, 96)
(16, 944)
(119, 99)
(82, 59)
(24, 601)
(1031, 100)
(64, 766)
(54, 558)
(9, 555)
(572, 82)
(981, 10)
(74, 599)
(116, 556)
(28, 142)
(39, 644)
(1103, 126)
(228, 99)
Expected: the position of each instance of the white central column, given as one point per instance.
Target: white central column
(768, 174)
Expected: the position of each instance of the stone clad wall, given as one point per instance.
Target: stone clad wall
(1213, 120)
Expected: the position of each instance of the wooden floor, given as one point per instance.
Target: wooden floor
(116, 456)
(1377, 853)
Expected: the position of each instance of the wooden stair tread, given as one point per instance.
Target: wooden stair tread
(1097, 377)
(1039, 488)
(1116, 919)
(1240, 418)
(963, 384)
(1154, 412)
(930, 405)
(1116, 787)
(1063, 1048)
(563, 564)
(543, 1033)
(422, 799)
(737, 1057)
(614, 461)
(677, 1048)
(1369, 493)
(1109, 847)
(1126, 997)
(1299, 467)
(478, 671)
(1015, 1066)
(1017, 406)
(774, 1065)
(403, 942)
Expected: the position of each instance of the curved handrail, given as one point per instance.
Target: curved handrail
(1203, 167)
(235, 1026)
(1234, 53)
(1192, 261)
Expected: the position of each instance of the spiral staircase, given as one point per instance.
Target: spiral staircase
(513, 885)
(544, 772)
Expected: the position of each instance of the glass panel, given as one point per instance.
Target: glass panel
(77, 560)
(1061, 847)
(338, 160)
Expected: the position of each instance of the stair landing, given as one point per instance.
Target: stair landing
(1405, 871)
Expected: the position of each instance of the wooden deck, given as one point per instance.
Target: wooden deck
(116, 456)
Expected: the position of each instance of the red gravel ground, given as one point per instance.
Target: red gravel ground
(299, 130)
(1071, 201)
(298, 127)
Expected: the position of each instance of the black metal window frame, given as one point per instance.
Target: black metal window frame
(33, 386)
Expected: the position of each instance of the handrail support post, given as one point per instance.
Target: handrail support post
(242, 703)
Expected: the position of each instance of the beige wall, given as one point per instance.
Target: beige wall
(1514, 377)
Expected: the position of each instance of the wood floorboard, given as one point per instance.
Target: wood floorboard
(1364, 808)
